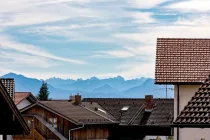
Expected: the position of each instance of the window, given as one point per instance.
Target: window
(125, 108)
(53, 122)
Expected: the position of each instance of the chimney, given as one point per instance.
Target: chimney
(9, 84)
(78, 99)
(149, 103)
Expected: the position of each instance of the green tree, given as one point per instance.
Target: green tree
(43, 92)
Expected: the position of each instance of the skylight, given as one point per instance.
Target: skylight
(102, 110)
(125, 108)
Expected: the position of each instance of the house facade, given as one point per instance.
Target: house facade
(185, 64)
(67, 120)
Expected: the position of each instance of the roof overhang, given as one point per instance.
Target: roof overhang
(178, 83)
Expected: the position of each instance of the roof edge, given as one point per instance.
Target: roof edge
(178, 83)
(191, 125)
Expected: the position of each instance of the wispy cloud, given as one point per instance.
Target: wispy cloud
(7, 43)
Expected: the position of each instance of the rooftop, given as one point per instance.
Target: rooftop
(162, 113)
(182, 60)
(81, 114)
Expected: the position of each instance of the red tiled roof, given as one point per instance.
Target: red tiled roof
(197, 111)
(20, 96)
(180, 60)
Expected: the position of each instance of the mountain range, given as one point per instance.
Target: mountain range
(94, 87)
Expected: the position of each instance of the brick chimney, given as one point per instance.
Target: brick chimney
(149, 103)
(78, 99)
(9, 84)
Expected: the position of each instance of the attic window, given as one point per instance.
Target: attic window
(125, 108)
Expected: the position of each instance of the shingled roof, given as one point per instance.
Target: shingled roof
(20, 96)
(161, 115)
(182, 60)
(78, 114)
(197, 111)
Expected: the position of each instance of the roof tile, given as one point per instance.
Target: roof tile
(182, 60)
(198, 108)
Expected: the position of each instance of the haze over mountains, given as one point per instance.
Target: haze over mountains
(116, 87)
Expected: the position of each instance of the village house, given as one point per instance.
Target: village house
(185, 63)
(99, 118)
(11, 121)
(67, 119)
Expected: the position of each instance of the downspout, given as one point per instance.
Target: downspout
(70, 130)
(177, 110)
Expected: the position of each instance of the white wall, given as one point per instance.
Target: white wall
(186, 92)
(154, 137)
(23, 104)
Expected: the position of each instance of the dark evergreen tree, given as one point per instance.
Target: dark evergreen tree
(43, 92)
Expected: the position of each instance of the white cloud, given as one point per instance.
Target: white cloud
(113, 54)
(145, 4)
(142, 17)
(191, 6)
(7, 43)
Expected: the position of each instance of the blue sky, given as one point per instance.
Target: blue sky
(85, 38)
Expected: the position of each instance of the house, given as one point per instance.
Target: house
(24, 99)
(99, 118)
(67, 119)
(139, 119)
(185, 63)
(11, 121)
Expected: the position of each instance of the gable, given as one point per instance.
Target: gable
(180, 60)
(196, 112)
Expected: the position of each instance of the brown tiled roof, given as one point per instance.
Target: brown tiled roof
(77, 113)
(161, 115)
(197, 111)
(20, 96)
(180, 60)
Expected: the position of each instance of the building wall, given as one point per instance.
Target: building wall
(23, 104)
(185, 94)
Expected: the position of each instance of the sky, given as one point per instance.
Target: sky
(86, 38)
